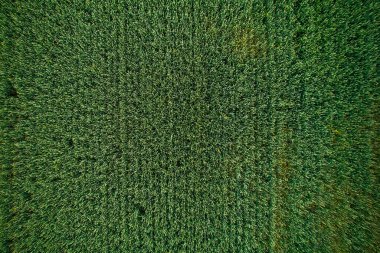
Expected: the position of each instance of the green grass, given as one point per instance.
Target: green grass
(189, 126)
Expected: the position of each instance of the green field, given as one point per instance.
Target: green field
(189, 126)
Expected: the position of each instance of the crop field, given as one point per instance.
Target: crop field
(189, 126)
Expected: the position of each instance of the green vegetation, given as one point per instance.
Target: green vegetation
(189, 126)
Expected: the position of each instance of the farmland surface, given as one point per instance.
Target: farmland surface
(189, 126)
